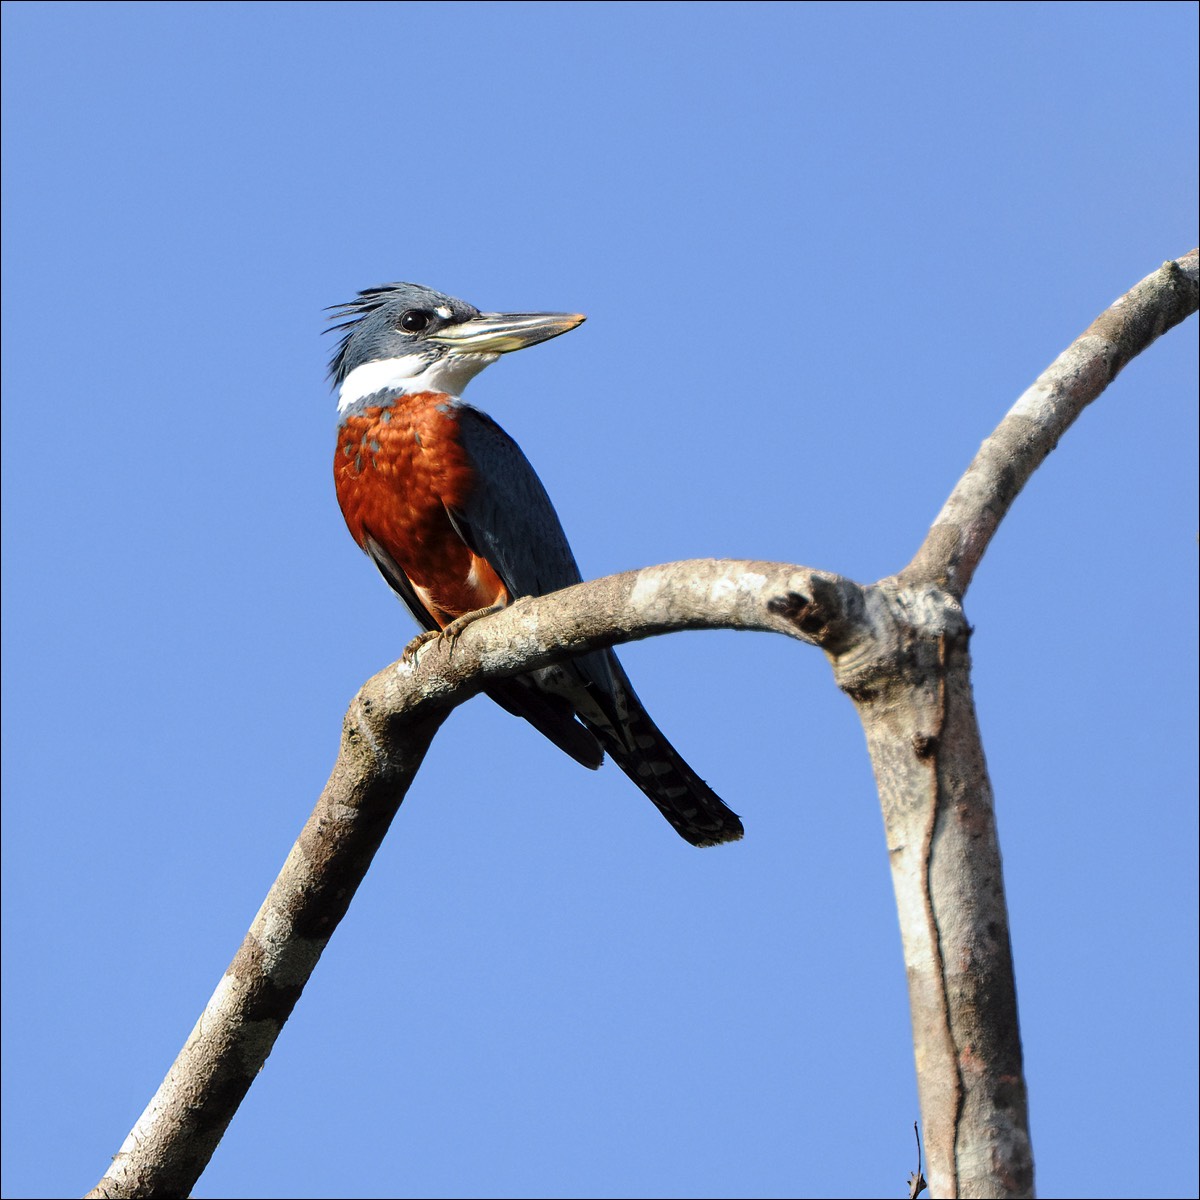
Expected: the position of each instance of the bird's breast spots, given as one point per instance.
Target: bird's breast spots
(435, 457)
(390, 433)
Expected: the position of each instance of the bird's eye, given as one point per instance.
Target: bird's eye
(415, 320)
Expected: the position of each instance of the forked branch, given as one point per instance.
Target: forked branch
(898, 648)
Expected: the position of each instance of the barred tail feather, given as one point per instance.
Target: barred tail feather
(639, 748)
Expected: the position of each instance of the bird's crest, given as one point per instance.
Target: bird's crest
(350, 314)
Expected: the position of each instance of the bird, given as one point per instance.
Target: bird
(457, 522)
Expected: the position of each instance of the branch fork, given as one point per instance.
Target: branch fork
(899, 649)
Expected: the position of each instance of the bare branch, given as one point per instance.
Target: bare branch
(961, 533)
(386, 732)
(910, 682)
(898, 648)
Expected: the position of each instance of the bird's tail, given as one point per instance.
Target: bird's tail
(551, 715)
(639, 748)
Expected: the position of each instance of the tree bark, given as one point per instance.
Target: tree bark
(898, 648)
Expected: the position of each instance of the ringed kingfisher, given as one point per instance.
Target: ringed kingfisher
(451, 513)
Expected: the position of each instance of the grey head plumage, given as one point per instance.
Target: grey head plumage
(373, 325)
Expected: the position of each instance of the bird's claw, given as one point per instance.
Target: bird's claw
(449, 634)
(410, 651)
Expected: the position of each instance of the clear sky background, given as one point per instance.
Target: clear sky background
(822, 248)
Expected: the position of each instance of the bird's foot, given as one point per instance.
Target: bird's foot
(449, 634)
(410, 651)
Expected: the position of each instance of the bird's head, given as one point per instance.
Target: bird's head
(408, 337)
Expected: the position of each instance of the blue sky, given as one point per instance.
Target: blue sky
(822, 249)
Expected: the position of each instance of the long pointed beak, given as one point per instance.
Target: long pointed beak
(498, 333)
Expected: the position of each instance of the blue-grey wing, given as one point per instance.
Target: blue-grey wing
(510, 521)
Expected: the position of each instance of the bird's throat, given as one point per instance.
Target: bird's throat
(447, 374)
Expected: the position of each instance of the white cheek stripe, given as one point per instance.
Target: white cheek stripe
(412, 373)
